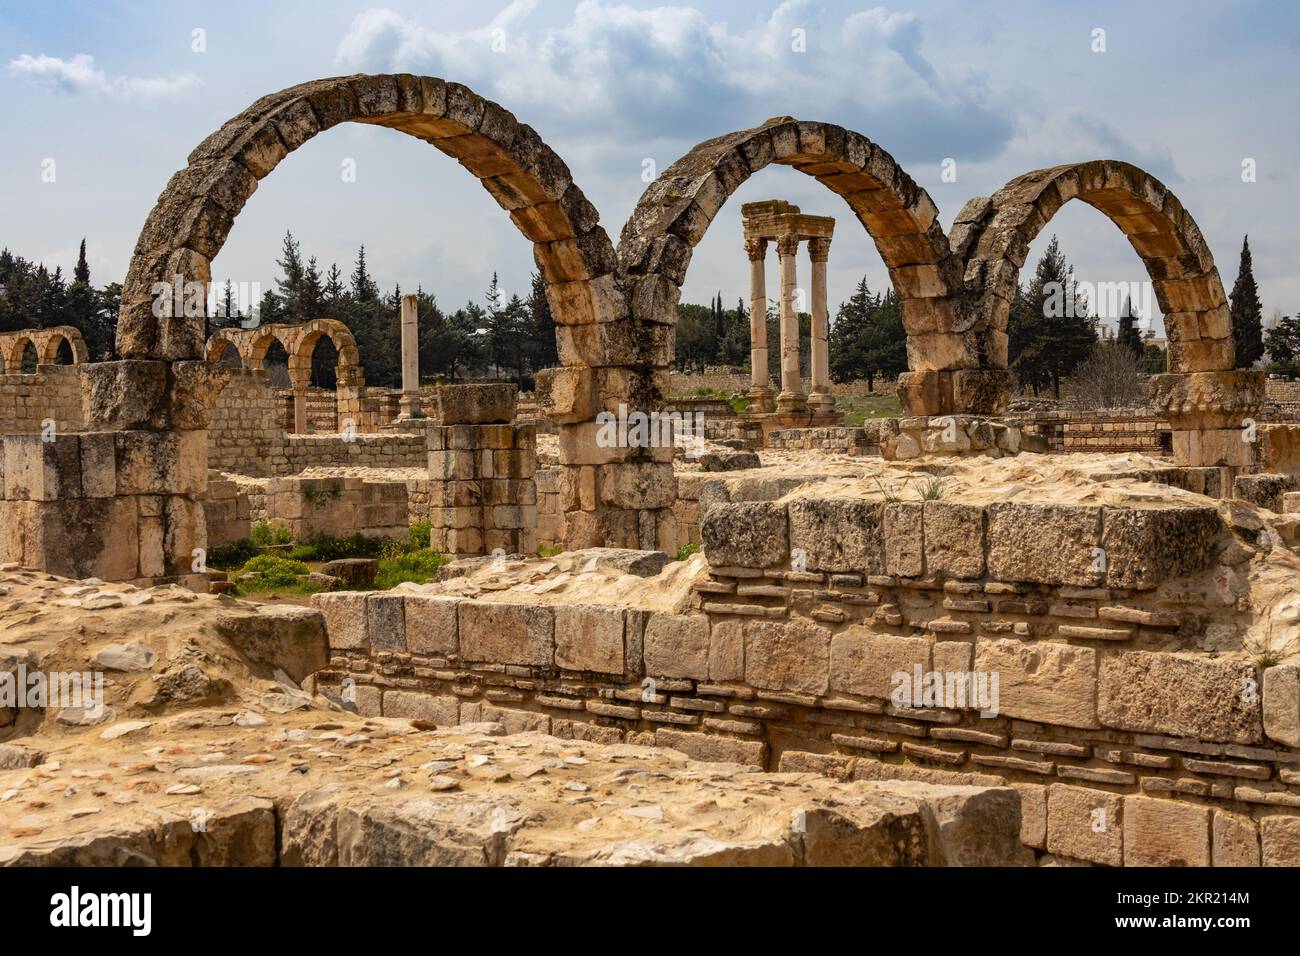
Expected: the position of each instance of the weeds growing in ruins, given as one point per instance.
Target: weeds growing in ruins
(934, 488)
(688, 549)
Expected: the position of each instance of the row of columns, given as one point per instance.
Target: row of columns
(791, 399)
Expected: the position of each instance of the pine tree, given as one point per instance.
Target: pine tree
(1050, 330)
(363, 287)
(1129, 336)
(1247, 313)
(334, 288)
(543, 352)
(493, 296)
(290, 281)
(82, 272)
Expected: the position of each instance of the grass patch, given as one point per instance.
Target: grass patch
(228, 557)
(275, 573)
(414, 566)
(267, 535)
(419, 533)
(858, 408)
(545, 552)
(688, 549)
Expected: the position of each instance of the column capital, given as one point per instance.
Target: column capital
(755, 248)
(787, 246)
(819, 249)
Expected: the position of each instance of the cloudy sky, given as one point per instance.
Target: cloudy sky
(111, 96)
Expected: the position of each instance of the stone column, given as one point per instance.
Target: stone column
(760, 395)
(791, 399)
(409, 402)
(299, 405)
(820, 399)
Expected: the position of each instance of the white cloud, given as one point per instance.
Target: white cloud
(80, 75)
(670, 70)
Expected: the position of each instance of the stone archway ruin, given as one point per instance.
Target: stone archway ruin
(1202, 393)
(615, 312)
(45, 343)
(299, 341)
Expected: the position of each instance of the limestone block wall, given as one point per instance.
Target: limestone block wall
(246, 435)
(117, 505)
(482, 495)
(374, 450)
(227, 513)
(550, 516)
(860, 442)
(1282, 390)
(1131, 733)
(51, 392)
(310, 507)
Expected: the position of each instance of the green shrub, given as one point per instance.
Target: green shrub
(415, 566)
(545, 552)
(227, 557)
(688, 549)
(328, 548)
(275, 573)
(266, 535)
(418, 533)
(274, 569)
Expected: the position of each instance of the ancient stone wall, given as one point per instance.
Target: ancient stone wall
(227, 512)
(51, 392)
(1282, 390)
(373, 450)
(247, 434)
(336, 506)
(550, 516)
(1133, 732)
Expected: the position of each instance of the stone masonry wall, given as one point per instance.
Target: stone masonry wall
(1131, 737)
(482, 495)
(51, 392)
(246, 435)
(310, 507)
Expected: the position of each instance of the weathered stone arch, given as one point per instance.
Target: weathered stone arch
(994, 235)
(193, 216)
(17, 347)
(1202, 395)
(45, 345)
(673, 214)
(219, 342)
(305, 338)
(54, 337)
(256, 345)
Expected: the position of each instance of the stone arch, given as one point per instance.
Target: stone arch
(57, 335)
(994, 235)
(18, 346)
(193, 216)
(306, 337)
(656, 244)
(673, 214)
(256, 346)
(219, 343)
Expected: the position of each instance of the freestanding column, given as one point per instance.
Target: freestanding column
(820, 398)
(760, 395)
(300, 407)
(791, 399)
(409, 402)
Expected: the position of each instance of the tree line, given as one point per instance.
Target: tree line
(515, 337)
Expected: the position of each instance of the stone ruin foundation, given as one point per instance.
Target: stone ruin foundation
(856, 593)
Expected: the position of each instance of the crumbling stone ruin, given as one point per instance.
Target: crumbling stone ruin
(957, 636)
